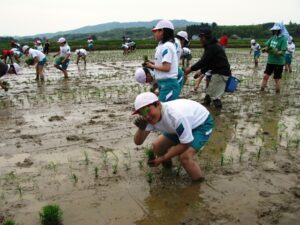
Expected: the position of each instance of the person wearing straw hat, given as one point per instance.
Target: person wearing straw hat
(255, 47)
(63, 60)
(165, 65)
(214, 58)
(8, 69)
(275, 47)
(81, 53)
(186, 126)
(39, 59)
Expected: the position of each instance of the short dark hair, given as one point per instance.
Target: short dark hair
(205, 32)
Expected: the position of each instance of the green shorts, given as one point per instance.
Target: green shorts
(59, 61)
(169, 89)
(201, 134)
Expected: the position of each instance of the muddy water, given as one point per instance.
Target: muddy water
(54, 135)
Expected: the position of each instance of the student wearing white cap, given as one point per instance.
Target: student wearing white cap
(8, 69)
(81, 53)
(38, 45)
(255, 47)
(186, 53)
(39, 58)
(289, 54)
(275, 47)
(186, 127)
(63, 60)
(145, 75)
(166, 62)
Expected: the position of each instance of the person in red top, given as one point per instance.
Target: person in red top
(8, 54)
(224, 40)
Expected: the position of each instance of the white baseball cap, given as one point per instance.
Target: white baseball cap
(140, 76)
(163, 24)
(61, 40)
(183, 34)
(252, 41)
(144, 99)
(24, 48)
(38, 42)
(276, 27)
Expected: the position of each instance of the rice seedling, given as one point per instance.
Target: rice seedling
(222, 158)
(51, 215)
(141, 164)
(86, 158)
(115, 168)
(149, 176)
(259, 153)
(9, 222)
(74, 178)
(96, 169)
(20, 190)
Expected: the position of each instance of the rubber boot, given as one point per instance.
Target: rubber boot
(206, 100)
(217, 103)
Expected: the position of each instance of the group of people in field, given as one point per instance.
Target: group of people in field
(185, 125)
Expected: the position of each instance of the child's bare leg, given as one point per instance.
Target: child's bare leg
(190, 165)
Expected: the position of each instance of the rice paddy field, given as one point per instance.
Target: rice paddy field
(70, 142)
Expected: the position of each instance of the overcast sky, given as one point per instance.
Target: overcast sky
(28, 17)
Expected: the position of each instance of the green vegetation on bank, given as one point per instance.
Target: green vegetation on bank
(239, 36)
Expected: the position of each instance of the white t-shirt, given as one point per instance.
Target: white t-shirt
(291, 48)
(36, 53)
(39, 48)
(82, 52)
(180, 117)
(178, 48)
(65, 50)
(166, 53)
(255, 47)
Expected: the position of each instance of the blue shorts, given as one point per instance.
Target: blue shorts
(180, 78)
(168, 89)
(43, 62)
(201, 134)
(256, 54)
(288, 58)
(64, 65)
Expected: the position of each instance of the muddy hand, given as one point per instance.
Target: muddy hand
(141, 123)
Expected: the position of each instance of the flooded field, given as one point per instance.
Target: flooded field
(70, 142)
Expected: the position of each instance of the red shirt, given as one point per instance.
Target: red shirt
(7, 53)
(223, 40)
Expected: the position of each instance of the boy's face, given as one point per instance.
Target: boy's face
(151, 113)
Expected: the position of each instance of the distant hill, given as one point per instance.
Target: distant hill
(109, 26)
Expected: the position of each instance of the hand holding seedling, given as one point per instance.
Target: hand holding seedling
(156, 161)
(141, 122)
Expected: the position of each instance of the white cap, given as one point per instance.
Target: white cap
(252, 41)
(290, 39)
(24, 48)
(140, 76)
(163, 24)
(61, 40)
(183, 34)
(38, 41)
(276, 27)
(144, 99)
(76, 51)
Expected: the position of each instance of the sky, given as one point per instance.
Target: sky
(29, 17)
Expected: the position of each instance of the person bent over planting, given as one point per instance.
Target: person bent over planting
(186, 127)
(63, 60)
(8, 69)
(38, 58)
